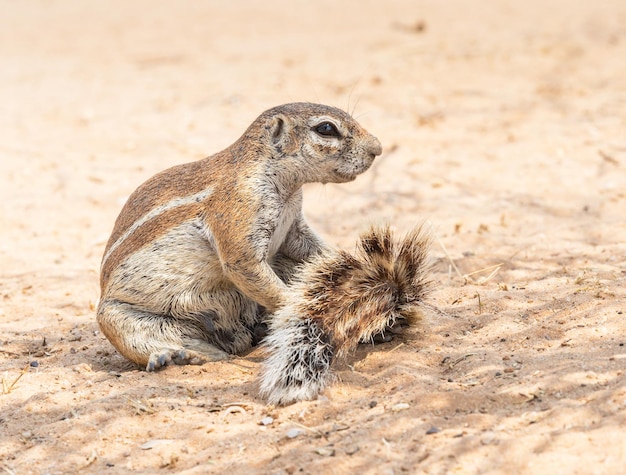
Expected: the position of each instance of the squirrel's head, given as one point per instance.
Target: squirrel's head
(326, 143)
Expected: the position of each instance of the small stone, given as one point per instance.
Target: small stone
(293, 433)
(266, 421)
(433, 430)
(352, 449)
(373, 404)
(326, 451)
(402, 406)
(151, 444)
(82, 368)
(34, 364)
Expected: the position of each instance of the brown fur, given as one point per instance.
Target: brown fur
(200, 250)
(338, 300)
(355, 297)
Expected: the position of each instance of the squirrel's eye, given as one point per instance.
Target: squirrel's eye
(327, 130)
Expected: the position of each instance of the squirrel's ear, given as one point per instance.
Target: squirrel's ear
(279, 128)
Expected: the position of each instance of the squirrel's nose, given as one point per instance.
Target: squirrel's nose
(374, 146)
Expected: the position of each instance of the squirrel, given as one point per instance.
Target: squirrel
(338, 300)
(202, 252)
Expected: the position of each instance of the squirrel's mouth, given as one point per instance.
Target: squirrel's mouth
(355, 168)
(351, 167)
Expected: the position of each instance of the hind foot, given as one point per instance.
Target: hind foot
(184, 356)
(166, 356)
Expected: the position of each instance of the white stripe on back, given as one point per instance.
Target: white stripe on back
(175, 203)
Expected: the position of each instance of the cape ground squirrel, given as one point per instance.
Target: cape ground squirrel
(200, 250)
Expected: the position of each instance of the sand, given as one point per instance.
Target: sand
(503, 125)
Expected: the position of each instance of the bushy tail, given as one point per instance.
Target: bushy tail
(337, 300)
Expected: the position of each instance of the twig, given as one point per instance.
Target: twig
(240, 404)
(231, 410)
(510, 258)
(7, 389)
(608, 158)
(7, 352)
(496, 268)
(466, 277)
(457, 361)
(140, 406)
(438, 311)
(313, 431)
(445, 251)
(9, 470)
(480, 304)
(484, 280)
(394, 349)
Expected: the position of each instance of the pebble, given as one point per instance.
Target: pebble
(352, 449)
(151, 444)
(293, 433)
(266, 421)
(34, 364)
(326, 451)
(433, 430)
(82, 368)
(402, 406)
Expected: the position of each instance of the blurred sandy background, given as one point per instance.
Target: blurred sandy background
(503, 124)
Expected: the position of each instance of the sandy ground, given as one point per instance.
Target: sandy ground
(503, 124)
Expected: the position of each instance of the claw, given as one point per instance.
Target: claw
(164, 357)
(180, 357)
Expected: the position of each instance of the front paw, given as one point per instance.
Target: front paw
(387, 335)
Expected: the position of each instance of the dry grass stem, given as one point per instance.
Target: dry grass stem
(141, 406)
(467, 277)
(494, 270)
(395, 348)
(445, 251)
(307, 428)
(436, 310)
(231, 410)
(6, 387)
(457, 361)
(240, 404)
